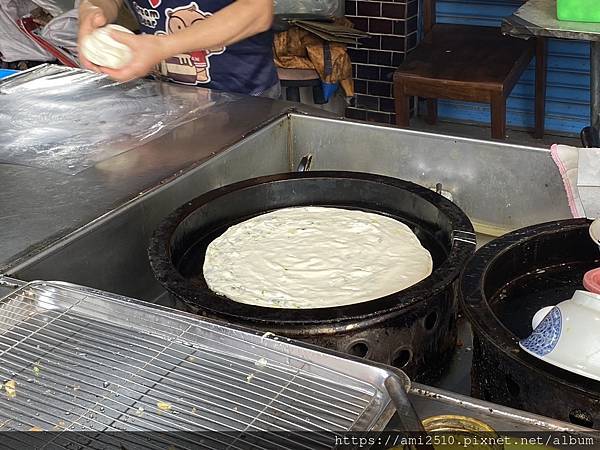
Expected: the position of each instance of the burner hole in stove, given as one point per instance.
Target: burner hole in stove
(359, 349)
(402, 358)
(581, 418)
(513, 388)
(431, 321)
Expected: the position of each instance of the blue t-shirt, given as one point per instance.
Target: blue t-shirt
(246, 67)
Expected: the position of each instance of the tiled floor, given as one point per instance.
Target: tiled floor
(483, 132)
(337, 106)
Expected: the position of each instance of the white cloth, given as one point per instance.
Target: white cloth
(580, 171)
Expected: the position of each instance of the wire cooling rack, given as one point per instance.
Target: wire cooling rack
(81, 367)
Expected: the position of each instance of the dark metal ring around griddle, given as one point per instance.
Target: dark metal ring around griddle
(501, 287)
(415, 205)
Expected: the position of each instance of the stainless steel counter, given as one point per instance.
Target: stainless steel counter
(40, 206)
(500, 186)
(93, 228)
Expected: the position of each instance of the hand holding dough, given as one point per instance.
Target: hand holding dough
(101, 49)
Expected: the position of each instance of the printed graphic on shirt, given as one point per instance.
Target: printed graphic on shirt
(148, 17)
(155, 3)
(188, 68)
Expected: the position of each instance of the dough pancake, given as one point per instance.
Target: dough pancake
(315, 257)
(101, 49)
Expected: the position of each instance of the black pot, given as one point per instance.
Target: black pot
(502, 287)
(414, 329)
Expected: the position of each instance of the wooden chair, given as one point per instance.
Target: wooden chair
(468, 63)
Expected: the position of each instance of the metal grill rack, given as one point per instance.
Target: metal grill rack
(83, 364)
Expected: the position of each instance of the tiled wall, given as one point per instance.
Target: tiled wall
(393, 25)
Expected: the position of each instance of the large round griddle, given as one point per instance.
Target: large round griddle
(502, 287)
(178, 246)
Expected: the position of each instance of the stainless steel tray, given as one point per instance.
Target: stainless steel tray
(78, 360)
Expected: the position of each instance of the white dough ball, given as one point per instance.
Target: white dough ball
(101, 49)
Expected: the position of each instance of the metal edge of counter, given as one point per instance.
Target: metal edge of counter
(39, 249)
(503, 413)
(290, 112)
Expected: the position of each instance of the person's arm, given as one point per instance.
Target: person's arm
(110, 8)
(236, 22)
(95, 14)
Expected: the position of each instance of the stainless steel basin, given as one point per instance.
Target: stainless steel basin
(500, 186)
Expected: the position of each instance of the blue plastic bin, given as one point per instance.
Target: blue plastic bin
(5, 72)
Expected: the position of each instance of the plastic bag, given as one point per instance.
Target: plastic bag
(67, 119)
(327, 8)
(56, 7)
(14, 45)
(60, 31)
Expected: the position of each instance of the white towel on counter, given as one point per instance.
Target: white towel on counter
(580, 171)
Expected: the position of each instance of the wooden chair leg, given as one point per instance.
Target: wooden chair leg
(432, 111)
(402, 103)
(540, 86)
(499, 117)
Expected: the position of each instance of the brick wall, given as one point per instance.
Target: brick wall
(393, 25)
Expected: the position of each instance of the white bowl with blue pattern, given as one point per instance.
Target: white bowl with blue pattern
(568, 335)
